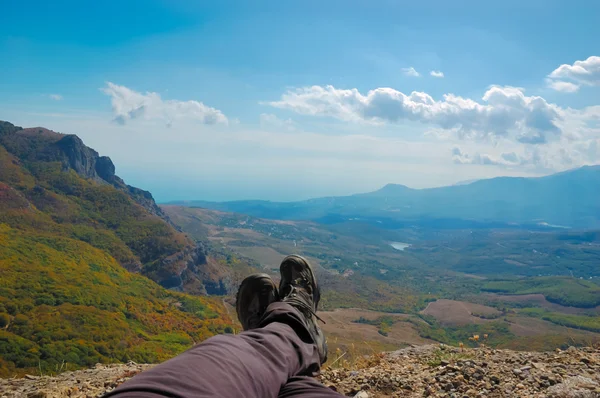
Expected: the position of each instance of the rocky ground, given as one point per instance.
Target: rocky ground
(79, 384)
(443, 371)
(423, 371)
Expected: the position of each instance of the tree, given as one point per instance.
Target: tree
(4, 319)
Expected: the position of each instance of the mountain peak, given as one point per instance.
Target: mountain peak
(393, 188)
(390, 190)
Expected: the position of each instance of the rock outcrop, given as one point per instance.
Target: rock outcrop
(423, 371)
(40, 144)
(74, 155)
(86, 162)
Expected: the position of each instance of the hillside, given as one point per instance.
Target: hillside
(73, 240)
(54, 183)
(425, 371)
(565, 199)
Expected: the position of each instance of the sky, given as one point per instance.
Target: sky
(286, 100)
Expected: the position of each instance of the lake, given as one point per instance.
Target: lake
(399, 245)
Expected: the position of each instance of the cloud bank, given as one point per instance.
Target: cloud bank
(504, 112)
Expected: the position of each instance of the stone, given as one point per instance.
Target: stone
(574, 387)
(38, 394)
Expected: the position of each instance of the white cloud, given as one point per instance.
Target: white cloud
(585, 72)
(411, 72)
(565, 87)
(128, 104)
(504, 112)
(55, 97)
(436, 73)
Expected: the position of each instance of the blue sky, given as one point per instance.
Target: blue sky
(288, 100)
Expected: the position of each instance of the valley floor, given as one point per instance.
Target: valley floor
(444, 286)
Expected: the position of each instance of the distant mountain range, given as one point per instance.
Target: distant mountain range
(568, 199)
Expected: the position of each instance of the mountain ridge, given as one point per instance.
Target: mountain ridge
(568, 198)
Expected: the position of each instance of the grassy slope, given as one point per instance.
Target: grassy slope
(63, 300)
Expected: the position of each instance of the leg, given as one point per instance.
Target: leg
(306, 387)
(254, 364)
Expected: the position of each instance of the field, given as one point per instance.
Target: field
(566, 291)
(350, 339)
(457, 313)
(528, 323)
(538, 300)
(341, 324)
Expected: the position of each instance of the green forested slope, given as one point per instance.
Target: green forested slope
(70, 233)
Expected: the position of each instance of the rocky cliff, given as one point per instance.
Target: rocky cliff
(423, 371)
(186, 269)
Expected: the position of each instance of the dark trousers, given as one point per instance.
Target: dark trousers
(276, 360)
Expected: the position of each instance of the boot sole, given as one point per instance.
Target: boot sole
(295, 257)
(249, 283)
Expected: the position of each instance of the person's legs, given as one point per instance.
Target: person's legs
(306, 387)
(283, 341)
(256, 363)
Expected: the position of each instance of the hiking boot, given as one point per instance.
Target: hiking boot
(299, 288)
(255, 294)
